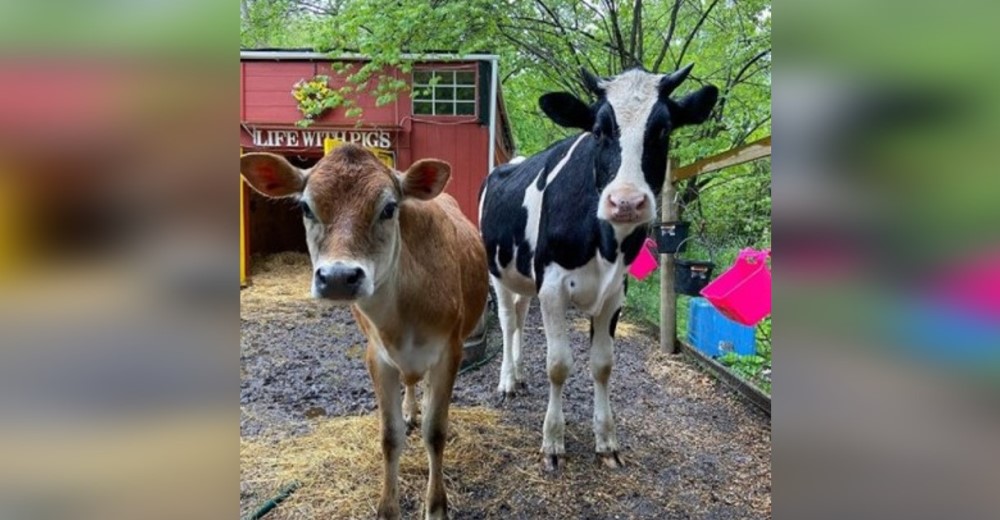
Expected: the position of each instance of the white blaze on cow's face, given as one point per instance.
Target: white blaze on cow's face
(628, 199)
(351, 206)
(631, 122)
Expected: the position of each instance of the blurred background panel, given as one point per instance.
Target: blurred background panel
(118, 259)
(886, 219)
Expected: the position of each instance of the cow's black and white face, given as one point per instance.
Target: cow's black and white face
(631, 120)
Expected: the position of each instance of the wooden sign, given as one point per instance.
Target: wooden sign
(387, 157)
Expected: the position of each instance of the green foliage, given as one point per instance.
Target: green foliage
(749, 368)
(542, 46)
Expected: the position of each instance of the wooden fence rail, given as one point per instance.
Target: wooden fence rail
(669, 212)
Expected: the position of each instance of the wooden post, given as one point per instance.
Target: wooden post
(668, 297)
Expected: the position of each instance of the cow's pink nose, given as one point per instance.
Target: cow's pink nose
(625, 203)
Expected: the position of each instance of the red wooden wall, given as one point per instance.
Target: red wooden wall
(265, 101)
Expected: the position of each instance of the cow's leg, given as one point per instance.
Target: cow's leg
(521, 304)
(386, 380)
(410, 410)
(601, 361)
(508, 325)
(438, 387)
(559, 362)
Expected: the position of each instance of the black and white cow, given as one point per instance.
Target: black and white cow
(565, 224)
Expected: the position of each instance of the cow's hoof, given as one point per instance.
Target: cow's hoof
(522, 386)
(504, 396)
(611, 459)
(550, 463)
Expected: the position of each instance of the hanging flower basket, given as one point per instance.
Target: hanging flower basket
(314, 98)
(673, 237)
(691, 276)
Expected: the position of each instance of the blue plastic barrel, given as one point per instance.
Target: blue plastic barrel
(714, 334)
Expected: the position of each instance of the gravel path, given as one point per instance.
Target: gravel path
(691, 449)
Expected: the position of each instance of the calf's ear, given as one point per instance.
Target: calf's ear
(566, 110)
(426, 179)
(694, 108)
(272, 175)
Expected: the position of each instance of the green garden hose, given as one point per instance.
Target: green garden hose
(266, 507)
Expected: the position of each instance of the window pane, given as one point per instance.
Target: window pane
(465, 109)
(444, 109)
(420, 107)
(422, 76)
(444, 93)
(465, 93)
(466, 78)
(445, 77)
(421, 93)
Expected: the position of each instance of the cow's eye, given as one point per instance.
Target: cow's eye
(388, 211)
(307, 211)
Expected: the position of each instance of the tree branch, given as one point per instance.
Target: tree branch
(617, 34)
(747, 65)
(573, 52)
(694, 32)
(634, 37)
(670, 36)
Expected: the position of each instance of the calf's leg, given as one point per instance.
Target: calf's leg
(438, 388)
(601, 361)
(508, 325)
(410, 410)
(521, 303)
(559, 362)
(386, 380)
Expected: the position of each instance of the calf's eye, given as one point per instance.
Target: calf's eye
(388, 211)
(306, 211)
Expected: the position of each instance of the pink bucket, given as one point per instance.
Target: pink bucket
(645, 263)
(743, 292)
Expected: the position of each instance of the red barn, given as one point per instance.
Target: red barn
(460, 119)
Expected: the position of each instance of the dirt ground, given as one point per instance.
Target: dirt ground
(691, 448)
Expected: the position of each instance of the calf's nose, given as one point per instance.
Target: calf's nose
(339, 280)
(628, 201)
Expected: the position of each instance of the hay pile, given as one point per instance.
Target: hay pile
(339, 464)
(492, 470)
(279, 288)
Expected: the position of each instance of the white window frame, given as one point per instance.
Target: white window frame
(433, 91)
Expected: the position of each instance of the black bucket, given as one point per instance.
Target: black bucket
(673, 237)
(691, 276)
(474, 349)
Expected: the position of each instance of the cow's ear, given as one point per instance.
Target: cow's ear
(566, 110)
(694, 108)
(426, 179)
(272, 175)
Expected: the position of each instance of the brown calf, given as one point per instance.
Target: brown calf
(413, 268)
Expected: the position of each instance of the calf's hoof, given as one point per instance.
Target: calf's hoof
(441, 514)
(550, 463)
(388, 513)
(611, 459)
